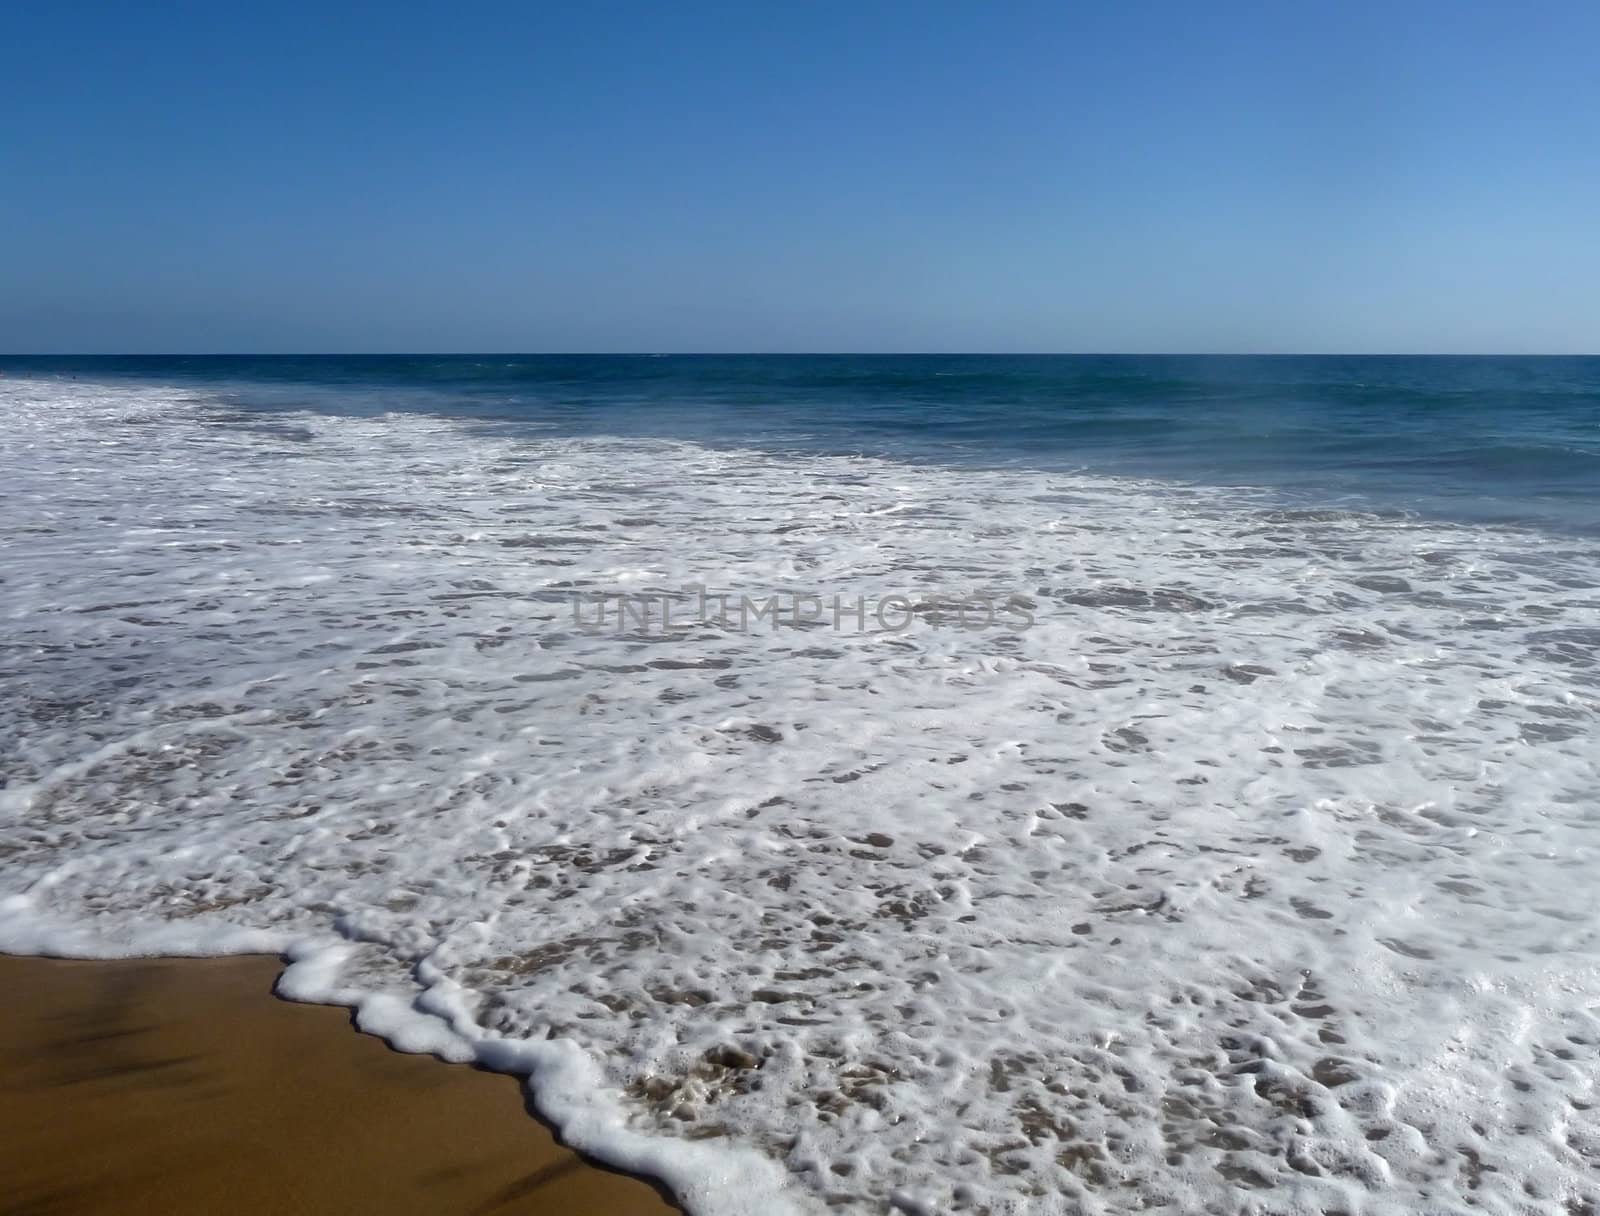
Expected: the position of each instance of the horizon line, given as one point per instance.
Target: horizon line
(792, 354)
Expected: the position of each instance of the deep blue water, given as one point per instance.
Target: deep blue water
(1513, 440)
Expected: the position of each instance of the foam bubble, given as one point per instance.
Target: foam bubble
(1252, 878)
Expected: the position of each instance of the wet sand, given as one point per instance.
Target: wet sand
(180, 1086)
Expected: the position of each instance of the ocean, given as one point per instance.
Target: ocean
(1502, 440)
(854, 783)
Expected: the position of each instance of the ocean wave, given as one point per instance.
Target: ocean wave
(1253, 877)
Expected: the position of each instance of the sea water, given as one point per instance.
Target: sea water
(934, 785)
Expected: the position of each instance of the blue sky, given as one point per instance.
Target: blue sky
(1141, 176)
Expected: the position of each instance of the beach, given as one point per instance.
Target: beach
(822, 826)
(178, 1086)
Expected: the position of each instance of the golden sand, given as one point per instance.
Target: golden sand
(179, 1086)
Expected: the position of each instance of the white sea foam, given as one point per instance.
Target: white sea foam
(1255, 877)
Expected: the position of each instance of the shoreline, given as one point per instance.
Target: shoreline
(169, 1085)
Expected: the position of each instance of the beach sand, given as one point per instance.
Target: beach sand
(179, 1086)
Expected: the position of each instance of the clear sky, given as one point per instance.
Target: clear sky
(1127, 175)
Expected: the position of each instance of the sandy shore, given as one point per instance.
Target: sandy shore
(183, 1086)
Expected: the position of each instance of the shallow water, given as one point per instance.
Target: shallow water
(1242, 866)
